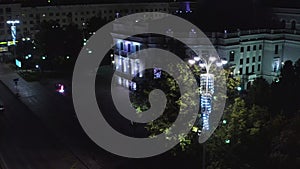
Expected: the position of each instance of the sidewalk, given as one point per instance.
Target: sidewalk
(57, 113)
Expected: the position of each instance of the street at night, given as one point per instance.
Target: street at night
(140, 84)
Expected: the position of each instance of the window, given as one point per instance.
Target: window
(253, 68)
(276, 49)
(31, 22)
(128, 48)
(258, 67)
(57, 14)
(121, 46)
(31, 15)
(242, 49)
(293, 27)
(51, 14)
(247, 70)
(254, 47)
(283, 24)
(231, 56)
(241, 61)
(248, 60)
(241, 71)
(260, 47)
(8, 10)
(259, 58)
(253, 59)
(248, 48)
(136, 48)
(1, 11)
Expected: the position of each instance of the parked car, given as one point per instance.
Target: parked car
(1, 106)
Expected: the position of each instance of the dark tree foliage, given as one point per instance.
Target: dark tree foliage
(60, 45)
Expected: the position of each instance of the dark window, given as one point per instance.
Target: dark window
(247, 70)
(259, 58)
(253, 59)
(248, 60)
(63, 13)
(283, 24)
(260, 47)
(248, 48)
(87, 12)
(241, 61)
(253, 68)
(254, 47)
(276, 49)
(242, 49)
(8, 10)
(31, 15)
(241, 71)
(1, 11)
(50, 14)
(57, 14)
(293, 25)
(128, 48)
(121, 46)
(231, 56)
(258, 67)
(31, 22)
(136, 48)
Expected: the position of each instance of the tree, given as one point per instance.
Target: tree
(60, 45)
(259, 93)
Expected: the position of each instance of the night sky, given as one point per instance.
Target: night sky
(281, 3)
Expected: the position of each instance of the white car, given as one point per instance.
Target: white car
(1, 106)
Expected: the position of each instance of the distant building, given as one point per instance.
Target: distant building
(30, 17)
(251, 53)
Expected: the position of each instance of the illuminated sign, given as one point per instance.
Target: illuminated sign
(18, 63)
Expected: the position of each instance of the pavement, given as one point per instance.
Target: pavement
(25, 143)
(57, 114)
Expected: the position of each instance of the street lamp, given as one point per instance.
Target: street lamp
(206, 91)
(206, 86)
(13, 29)
(13, 33)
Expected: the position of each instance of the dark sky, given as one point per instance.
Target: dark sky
(283, 3)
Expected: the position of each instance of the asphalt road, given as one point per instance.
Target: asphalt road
(25, 142)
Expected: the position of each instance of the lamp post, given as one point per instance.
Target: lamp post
(13, 29)
(206, 91)
(206, 86)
